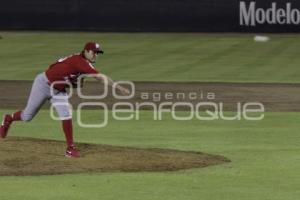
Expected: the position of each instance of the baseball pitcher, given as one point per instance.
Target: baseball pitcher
(64, 72)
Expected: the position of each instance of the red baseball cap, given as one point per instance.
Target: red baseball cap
(94, 47)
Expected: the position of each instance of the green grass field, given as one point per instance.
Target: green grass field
(159, 56)
(264, 154)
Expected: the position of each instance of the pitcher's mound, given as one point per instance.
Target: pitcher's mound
(28, 156)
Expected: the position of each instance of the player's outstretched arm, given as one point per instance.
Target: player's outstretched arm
(103, 78)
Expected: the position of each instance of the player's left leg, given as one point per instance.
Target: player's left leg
(61, 103)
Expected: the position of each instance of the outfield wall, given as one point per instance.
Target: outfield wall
(152, 15)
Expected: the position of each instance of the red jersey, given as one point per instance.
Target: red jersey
(68, 69)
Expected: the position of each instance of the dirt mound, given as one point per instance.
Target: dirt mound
(28, 156)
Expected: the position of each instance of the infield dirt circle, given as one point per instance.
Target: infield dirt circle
(28, 156)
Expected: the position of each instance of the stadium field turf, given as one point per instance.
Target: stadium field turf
(264, 155)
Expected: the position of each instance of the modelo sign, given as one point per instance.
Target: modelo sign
(252, 15)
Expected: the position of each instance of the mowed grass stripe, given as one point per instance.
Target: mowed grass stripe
(158, 56)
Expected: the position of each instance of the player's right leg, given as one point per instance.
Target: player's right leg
(6, 122)
(40, 92)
